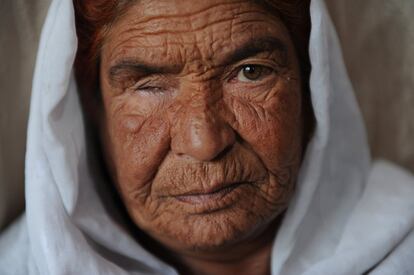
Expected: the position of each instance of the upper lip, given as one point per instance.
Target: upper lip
(214, 188)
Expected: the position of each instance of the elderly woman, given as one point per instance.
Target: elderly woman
(229, 155)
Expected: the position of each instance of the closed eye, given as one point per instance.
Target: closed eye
(154, 84)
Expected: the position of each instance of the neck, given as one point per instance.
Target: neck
(248, 257)
(252, 256)
(255, 262)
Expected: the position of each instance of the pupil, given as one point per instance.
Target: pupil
(251, 72)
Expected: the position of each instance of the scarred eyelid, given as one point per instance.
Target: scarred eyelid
(152, 84)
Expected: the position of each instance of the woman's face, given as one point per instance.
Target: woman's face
(202, 125)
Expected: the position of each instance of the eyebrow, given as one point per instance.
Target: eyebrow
(255, 46)
(248, 49)
(141, 67)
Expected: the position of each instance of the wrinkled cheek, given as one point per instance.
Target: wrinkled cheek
(140, 145)
(272, 130)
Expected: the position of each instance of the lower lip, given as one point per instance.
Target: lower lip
(213, 201)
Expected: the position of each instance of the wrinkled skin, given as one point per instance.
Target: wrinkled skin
(184, 116)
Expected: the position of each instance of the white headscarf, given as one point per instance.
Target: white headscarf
(347, 216)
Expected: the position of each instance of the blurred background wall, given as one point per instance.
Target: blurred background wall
(20, 26)
(377, 38)
(378, 42)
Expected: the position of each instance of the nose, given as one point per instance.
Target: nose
(199, 132)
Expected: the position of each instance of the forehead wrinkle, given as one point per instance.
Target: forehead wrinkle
(169, 19)
(215, 43)
(173, 47)
(164, 22)
(137, 43)
(179, 15)
(191, 24)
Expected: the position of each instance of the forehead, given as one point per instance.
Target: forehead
(190, 29)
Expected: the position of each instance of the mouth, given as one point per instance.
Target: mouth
(213, 199)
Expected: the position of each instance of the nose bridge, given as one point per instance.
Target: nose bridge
(199, 131)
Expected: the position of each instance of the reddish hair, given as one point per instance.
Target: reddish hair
(94, 19)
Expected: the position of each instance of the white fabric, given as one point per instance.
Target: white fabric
(347, 216)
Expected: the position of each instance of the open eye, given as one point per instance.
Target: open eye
(251, 72)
